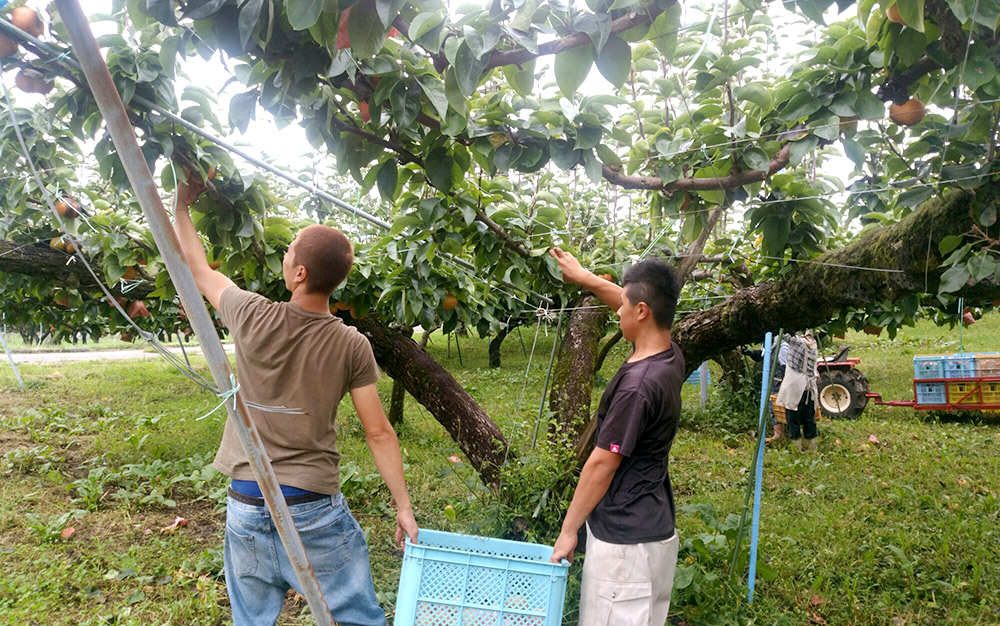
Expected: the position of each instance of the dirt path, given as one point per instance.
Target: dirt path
(32, 358)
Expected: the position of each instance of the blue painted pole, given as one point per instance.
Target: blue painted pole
(759, 474)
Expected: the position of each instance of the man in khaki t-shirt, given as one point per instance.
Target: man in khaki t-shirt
(295, 362)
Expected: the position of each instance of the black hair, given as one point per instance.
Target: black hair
(654, 282)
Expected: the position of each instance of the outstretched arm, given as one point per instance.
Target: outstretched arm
(384, 445)
(210, 282)
(573, 272)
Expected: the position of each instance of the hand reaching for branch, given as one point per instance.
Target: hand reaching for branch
(188, 190)
(572, 271)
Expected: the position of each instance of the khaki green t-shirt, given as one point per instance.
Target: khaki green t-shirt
(299, 365)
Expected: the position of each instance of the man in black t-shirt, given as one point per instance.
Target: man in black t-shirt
(624, 493)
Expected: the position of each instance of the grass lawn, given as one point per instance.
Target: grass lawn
(894, 522)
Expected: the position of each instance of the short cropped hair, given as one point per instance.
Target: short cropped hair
(654, 282)
(327, 256)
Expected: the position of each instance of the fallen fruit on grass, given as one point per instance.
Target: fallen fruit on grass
(873, 330)
(449, 302)
(8, 47)
(909, 113)
(27, 20)
(894, 15)
(32, 81)
(137, 308)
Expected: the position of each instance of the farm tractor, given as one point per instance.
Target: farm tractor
(948, 382)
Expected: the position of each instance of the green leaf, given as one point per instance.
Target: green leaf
(424, 23)
(168, 55)
(302, 14)
(615, 61)
(949, 243)
(242, 109)
(438, 166)
(365, 29)
(912, 12)
(433, 88)
(596, 25)
(775, 230)
(592, 166)
(954, 279)
(756, 159)
(522, 78)
(468, 69)
(572, 67)
(868, 106)
(387, 179)
(978, 72)
(663, 32)
(564, 154)
(755, 93)
(249, 16)
(588, 136)
(988, 217)
(162, 10)
(388, 10)
(405, 101)
(854, 151)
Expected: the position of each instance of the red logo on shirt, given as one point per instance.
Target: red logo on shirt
(615, 448)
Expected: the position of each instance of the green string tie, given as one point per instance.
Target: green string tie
(226, 396)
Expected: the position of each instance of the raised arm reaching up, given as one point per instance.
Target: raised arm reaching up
(573, 272)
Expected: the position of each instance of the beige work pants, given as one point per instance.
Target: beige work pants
(627, 584)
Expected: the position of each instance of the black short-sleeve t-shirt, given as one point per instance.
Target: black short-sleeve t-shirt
(637, 418)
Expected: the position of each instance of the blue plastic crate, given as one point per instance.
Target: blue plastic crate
(931, 393)
(925, 367)
(461, 580)
(960, 366)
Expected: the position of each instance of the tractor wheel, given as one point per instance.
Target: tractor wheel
(842, 394)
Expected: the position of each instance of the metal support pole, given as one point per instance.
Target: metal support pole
(703, 383)
(10, 357)
(145, 190)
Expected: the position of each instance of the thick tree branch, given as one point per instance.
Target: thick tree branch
(814, 293)
(500, 58)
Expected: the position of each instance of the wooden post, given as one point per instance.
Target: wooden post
(110, 104)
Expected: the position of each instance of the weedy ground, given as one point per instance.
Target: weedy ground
(895, 520)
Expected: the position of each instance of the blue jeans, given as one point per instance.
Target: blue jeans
(259, 574)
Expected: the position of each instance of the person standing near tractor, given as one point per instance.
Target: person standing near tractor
(624, 495)
(296, 361)
(798, 391)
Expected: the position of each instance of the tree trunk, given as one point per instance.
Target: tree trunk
(433, 387)
(497, 341)
(396, 403)
(573, 377)
(606, 349)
